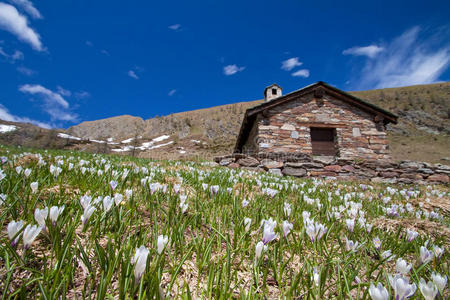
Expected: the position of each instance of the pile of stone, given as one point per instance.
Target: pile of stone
(334, 168)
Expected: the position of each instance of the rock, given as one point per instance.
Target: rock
(248, 162)
(383, 180)
(304, 165)
(438, 178)
(410, 165)
(234, 165)
(442, 167)
(425, 171)
(254, 169)
(333, 168)
(276, 172)
(348, 168)
(271, 164)
(288, 127)
(413, 176)
(322, 174)
(389, 174)
(298, 172)
(325, 159)
(445, 158)
(226, 161)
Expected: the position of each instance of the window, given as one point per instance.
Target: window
(323, 141)
(274, 91)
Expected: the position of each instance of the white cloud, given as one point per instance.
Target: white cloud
(82, 95)
(7, 116)
(17, 55)
(290, 63)
(172, 92)
(53, 103)
(63, 92)
(28, 7)
(89, 43)
(175, 26)
(26, 71)
(17, 24)
(407, 60)
(133, 74)
(301, 73)
(232, 69)
(104, 52)
(369, 51)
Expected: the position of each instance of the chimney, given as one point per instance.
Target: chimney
(271, 92)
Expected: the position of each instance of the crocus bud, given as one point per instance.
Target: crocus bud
(107, 203)
(259, 248)
(40, 215)
(401, 286)
(378, 292)
(140, 261)
(247, 224)
(162, 242)
(428, 290)
(55, 212)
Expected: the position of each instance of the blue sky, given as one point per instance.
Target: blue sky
(63, 62)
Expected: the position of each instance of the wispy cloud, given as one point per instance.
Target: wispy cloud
(290, 63)
(369, 51)
(301, 73)
(28, 7)
(232, 69)
(53, 103)
(407, 60)
(7, 116)
(25, 71)
(89, 44)
(82, 95)
(17, 55)
(104, 52)
(11, 20)
(172, 92)
(133, 74)
(63, 92)
(175, 27)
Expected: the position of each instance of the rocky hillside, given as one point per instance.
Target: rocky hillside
(422, 133)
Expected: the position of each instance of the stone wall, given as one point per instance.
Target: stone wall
(285, 128)
(301, 165)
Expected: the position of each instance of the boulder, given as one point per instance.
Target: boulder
(298, 172)
(438, 178)
(271, 164)
(226, 161)
(248, 162)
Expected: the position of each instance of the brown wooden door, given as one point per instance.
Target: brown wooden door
(323, 141)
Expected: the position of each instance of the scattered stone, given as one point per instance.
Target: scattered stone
(438, 178)
(333, 168)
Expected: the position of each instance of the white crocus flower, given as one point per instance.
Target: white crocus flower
(245, 203)
(377, 243)
(107, 203)
(29, 235)
(2, 198)
(118, 198)
(162, 242)
(378, 292)
(315, 230)
(287, 227)
(55, 212)
(27, 172)
(40, 215)
(34, 187)
(425, 255)
(13, 228)
(128, 193)
(287, 209)
(259, 248)
(438, 251)
(411, 234)
(247, 224)
(88, 211)
(402, 266)
(388, 255)
(316, 276)
(428, 290)
(19, 169)
(439, 281)
(140, 261)
(113, 184)
(402, 288)
(350, 224)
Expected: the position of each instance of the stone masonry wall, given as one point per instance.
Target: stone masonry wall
(285, 128)
(408, 172)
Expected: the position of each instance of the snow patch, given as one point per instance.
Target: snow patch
(7, 128)
(67, 136)
(161, 138)
(127, 141)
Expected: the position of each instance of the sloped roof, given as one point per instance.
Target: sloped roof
(251, 113)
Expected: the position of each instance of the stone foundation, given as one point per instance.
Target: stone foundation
(302, 165)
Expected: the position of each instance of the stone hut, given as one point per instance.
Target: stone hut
(317, 120)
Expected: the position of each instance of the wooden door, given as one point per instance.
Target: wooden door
(323, 141)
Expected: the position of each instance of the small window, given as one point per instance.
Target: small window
(323, 141)
(274, 91)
